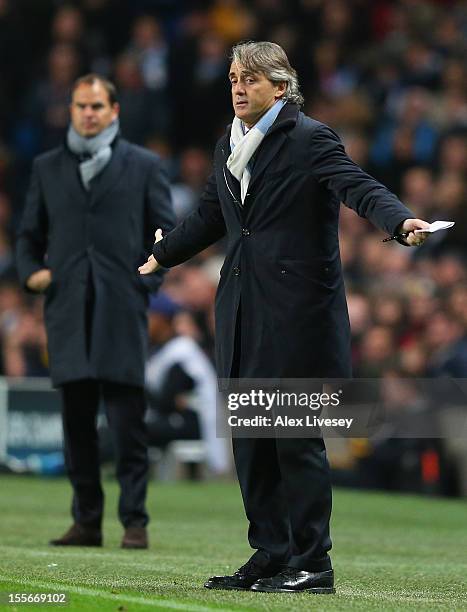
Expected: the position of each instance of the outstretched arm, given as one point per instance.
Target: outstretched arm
(158, 213)
(196, 232)
(331, 166)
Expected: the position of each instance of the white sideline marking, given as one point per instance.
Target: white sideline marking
(155, 603)
(192, 607)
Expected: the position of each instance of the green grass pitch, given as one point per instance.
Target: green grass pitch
(391, 552)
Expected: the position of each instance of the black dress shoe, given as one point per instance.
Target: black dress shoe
(243, 578)
(292, 580)
(78, 535)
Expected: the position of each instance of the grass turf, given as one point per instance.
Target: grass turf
(391, 552)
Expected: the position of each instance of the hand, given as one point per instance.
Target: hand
(412, 224)
(39, 281)
(151, 265)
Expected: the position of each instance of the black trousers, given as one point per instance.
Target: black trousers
(125, 407)
(286, 490)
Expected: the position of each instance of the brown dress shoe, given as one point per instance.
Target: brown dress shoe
(135, 537)
(78, 535)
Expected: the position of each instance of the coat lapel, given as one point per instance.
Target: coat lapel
(232, 184)
(266, 152)
(111, 174)
(68, 175)
(268, 149)
(273, 141)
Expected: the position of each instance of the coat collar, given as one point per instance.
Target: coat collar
(287, 118)
(68, 176)
(106, 180)
(111, 174)
(269, 147)
(273, 141)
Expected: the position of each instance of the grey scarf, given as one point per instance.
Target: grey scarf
(98, 147)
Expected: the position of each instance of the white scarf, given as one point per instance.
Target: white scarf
(243, 146)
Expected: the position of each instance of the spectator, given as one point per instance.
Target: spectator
(418, 190)
(46, 107)
(204, 77)
(149, 46)
(193, 172)
(142, 112)
(25, 346)
(6, 257)
(68, 27)
(11, 308)
(446, 342)
(231, 20)
(377, 353)
(182, 387)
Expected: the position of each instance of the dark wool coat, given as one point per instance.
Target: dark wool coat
(93, 243)
(282, 271)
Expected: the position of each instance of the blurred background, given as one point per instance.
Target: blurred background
(389, 76)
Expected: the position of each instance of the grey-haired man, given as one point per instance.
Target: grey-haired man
(278, 181)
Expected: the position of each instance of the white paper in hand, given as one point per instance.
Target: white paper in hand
(435, 227)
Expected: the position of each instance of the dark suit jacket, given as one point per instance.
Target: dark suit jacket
(282, 267)
(103, 234)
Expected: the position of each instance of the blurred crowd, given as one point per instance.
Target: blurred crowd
(389, 76)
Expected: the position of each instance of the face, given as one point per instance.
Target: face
(252, 93)
(160, 328)
(90, 109)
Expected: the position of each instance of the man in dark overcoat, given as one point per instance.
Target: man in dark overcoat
(90, 210)
(278, 181)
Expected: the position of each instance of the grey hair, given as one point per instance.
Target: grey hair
(270, 59)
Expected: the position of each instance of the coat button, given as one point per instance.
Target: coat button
(236, 271)
(245, 231)
(90, 249)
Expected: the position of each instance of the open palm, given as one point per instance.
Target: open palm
(152, 264)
